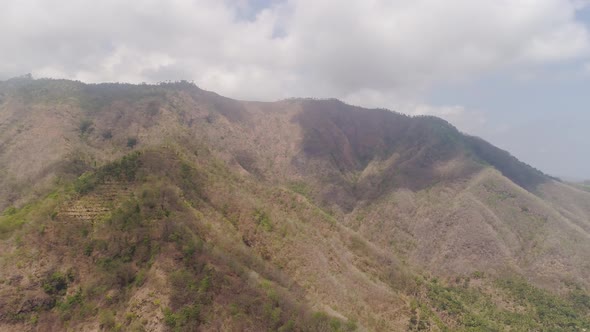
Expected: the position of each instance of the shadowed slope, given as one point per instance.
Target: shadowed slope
(352, 137)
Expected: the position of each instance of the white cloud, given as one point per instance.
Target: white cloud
(366, 52)
(468, 121)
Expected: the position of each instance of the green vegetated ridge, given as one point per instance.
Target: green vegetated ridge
(163, 216)
(499, 305)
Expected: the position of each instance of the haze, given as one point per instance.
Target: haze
(513, 72)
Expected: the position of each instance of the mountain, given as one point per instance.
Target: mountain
(168, 207)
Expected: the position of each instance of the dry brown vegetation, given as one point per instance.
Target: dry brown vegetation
(166, 207)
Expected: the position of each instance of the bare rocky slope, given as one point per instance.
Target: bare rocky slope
(167, 207)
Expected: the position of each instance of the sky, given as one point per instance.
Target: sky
(514, 72)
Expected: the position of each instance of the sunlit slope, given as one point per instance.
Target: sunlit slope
(167, 207)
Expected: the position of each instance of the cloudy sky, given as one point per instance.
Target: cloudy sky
(515, 72)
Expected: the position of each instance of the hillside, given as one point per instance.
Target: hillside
(168, 207)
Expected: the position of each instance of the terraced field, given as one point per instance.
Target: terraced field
(93, 207)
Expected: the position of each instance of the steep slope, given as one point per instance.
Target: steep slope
(158, 207)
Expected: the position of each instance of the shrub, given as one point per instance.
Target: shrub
(85, 126)
(153, 107)
(262, 219)
(85, 183)
(322, 322)
(301, 188)
(185, 318)
(580, 300)
(56, 284)
(107, 320)
(88, 248)
(124, 169)
(131, 142)
(107, 134)
(71, 301)
(140, 278)
(11, 210)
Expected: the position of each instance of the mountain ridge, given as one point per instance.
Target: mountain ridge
(295, 215)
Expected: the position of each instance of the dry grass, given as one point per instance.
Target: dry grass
(288, 208)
